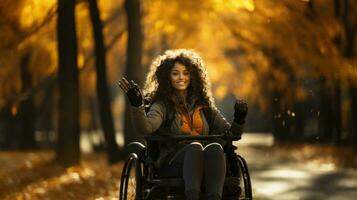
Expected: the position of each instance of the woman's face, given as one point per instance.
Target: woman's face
(180, 77)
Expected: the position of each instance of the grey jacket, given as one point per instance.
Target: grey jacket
(151, 122)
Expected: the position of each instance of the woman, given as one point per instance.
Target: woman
(177, 87)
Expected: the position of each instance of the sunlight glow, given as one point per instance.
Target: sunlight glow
(325, 167)
(261, 139)
(220, 92)
(286, 173)
(14, 110)
(272, 188)
(347, 183)
(70, 177)
(234, 5)
(278, 180)
(80, 60)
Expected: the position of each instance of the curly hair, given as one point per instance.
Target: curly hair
(157, 86)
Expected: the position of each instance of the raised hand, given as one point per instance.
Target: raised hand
(240, 111)
(132, 90)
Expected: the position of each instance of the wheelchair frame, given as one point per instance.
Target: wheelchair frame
(147, 183)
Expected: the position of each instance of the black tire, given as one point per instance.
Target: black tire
(237, 185)
(245, 182)
(131, 187)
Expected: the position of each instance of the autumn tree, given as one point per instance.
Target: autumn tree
(17, 112)
(68, 151)
(292, 60)
(102, 88)
(133, 69)
(345, 11)
(26, 111)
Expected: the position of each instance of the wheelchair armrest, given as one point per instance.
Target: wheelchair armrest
(163, 138)
(137, 148)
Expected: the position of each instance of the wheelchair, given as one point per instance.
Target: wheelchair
(140, 179)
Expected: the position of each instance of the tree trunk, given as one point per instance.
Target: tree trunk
(134, 69)
(47, 119)
(349, 53)
(68, 152)
(102, 88)
(26, 113)
(350, 29)
(353, 96)
(299, 120)
(280, 122)
(337, 8)
(45, 113)
(337, 112)
(9, 129)
(326, 118)
(337, 84)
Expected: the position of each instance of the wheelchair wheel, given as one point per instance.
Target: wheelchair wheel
(131, 180)
(245, 182)
(237, 185)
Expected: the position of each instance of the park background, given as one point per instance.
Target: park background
(64, 121)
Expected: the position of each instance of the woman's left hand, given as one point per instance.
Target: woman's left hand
(240, 111)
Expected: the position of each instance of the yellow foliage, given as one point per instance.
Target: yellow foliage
(220, 92)
(33, 12)
(247, 45)
(81, 60)
(233, 5)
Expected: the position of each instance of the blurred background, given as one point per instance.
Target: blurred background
(294, 61)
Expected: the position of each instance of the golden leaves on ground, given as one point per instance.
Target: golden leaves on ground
(33, 175)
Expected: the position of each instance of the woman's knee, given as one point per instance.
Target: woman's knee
(194, 147)
(213, 148)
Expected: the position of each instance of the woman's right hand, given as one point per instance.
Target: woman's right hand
(132, 90)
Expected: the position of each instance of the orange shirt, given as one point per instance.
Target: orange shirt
(194, 125)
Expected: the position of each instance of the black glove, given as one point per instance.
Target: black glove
(134, 94)
(132, 90)
(240, 111)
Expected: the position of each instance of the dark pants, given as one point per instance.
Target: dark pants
(196, 164)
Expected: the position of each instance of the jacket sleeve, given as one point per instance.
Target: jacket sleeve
(150, 122)
(221, 124)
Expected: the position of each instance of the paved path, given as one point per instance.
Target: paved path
(278, 178)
